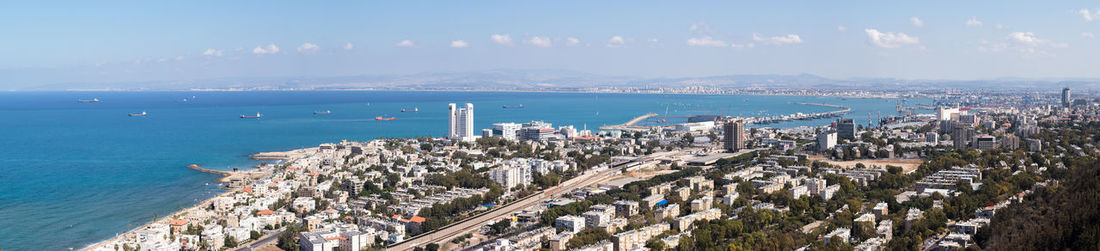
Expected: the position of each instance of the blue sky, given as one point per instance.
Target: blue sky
(45, 42)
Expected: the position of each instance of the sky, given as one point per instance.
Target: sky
(48, 42)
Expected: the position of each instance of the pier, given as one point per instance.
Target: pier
(801, 116)
(631, 125)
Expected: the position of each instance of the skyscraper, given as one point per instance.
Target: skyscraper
(846, 129)
(461, 124)
(1065, 97)
(734, 138)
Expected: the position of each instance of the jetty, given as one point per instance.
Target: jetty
(234, 177)
(631, 125)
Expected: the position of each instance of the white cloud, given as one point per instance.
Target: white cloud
(308, 48)
(890, 39)
(539, 41)
(705, 41)
(1026, 43)
(179, 58)
(572, 41)
(841, 28)
(743, 46)
(405, 43)
(269, 49)
(1088, 35)
(1089, 15)
(778, 40)
(973, 22)
(616, 42)
(459, 44)
(916, 21)
(212, 53)
(349, 46)
(501, 39)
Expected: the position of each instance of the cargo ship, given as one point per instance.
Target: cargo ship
(142, 114)
(322, 112)
(94, 100)
(513, 106)
(415, 109)
(381, 118)
(258, 115)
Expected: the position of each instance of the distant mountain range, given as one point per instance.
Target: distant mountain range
(570, 80)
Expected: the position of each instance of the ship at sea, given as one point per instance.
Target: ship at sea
(94, 100)
(142, 114)
(519, 106)
(382, 118)
(258, 115)
(322, 112)
(415, 109)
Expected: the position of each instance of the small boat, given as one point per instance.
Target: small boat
(415, 109)
(513, 106)
(94, 100)
(322, 112)
(381, 118)
(142, 114)
(258, 115)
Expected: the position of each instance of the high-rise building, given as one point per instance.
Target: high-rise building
(511, 176)
(962, 137)
(734, 135)
(506, 130)
(846, 129)
(826, 140)
(1065, 97)
(462, 122)
(944, 114)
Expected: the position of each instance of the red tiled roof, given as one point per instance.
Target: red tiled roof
(178, 222)
(265, 212)
(247, 189)
(417, 219)
(336, 238)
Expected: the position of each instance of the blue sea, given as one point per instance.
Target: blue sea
(72, 174)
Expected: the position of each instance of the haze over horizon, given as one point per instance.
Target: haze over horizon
(48, 43)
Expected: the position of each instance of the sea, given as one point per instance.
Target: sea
(73, 173)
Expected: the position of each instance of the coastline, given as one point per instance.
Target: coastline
(227, 177)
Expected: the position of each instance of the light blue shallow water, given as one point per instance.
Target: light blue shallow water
(75, 173)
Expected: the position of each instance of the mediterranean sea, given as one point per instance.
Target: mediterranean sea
(72, 173)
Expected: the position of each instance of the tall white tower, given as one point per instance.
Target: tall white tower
(461, 122)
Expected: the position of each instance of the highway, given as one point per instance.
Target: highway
(449, 232)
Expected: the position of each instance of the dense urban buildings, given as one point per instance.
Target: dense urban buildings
(918, 181)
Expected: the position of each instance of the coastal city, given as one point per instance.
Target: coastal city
(568, 125)
(937, 177)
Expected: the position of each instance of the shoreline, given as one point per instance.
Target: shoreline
(227, 177)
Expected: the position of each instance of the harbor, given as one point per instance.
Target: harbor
(633, 124)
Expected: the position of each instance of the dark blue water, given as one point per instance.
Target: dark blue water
(75, 173)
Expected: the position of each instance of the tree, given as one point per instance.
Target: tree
(230, 241)
(255, 235)
(499, 227)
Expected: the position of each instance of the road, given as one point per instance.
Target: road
(270, 238)
(459, 228)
